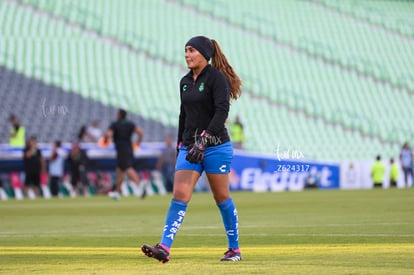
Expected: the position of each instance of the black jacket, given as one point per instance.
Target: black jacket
(205, 105)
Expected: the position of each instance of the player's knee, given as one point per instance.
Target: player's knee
(183, 195)
(219, 198)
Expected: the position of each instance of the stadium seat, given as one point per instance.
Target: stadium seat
(305, 82)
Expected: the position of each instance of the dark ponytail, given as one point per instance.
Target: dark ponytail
(219, 61)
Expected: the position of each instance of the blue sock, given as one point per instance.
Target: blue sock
(175, 217)
(231, 222)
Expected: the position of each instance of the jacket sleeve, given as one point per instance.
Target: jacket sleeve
(181, 119)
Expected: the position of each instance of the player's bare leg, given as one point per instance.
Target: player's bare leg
(116, 192)
(132, 175)
(220, 187)
(119, 179)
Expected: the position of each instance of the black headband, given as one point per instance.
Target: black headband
(203, 45)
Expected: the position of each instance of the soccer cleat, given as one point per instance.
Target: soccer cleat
(232, 255)
(114, 195)
(144, 194)
(157, 252)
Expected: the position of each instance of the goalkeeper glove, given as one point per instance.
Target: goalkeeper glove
(197, 150)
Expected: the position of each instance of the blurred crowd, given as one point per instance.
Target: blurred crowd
(70, 172)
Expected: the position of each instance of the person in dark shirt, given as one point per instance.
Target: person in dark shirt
(203, 142)
(121, 132)
(34, 164)
(78, 161)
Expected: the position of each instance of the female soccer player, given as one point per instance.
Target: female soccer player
(203, 142)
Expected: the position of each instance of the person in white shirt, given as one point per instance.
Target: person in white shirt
(93, 132)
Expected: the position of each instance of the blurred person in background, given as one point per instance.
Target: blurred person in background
(394, 173)
(166, 163)
(34, 165)
(93, 132)
(17, 132)
(351, 175)
(406, 158)
(121, 132)
(237, 134)
(377, 172)
(204, 143)
(56, 167)
(82, 137)
(78, 161)
(3, 194)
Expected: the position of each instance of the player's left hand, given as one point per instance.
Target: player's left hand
(195, 153)
(197, 150)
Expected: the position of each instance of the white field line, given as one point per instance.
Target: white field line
(187, 229)
(307, 225)
(216, 235)
(137, 233)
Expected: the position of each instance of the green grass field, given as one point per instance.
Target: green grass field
(310, 232)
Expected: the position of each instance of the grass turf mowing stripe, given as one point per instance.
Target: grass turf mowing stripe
(279, 259)
(281, 249)
(321, 232)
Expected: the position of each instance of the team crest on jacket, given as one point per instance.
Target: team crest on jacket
(201, 87)
(185, 87)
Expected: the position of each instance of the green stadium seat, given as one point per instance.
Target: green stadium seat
(313, 78)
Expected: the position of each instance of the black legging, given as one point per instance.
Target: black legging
(54, 185)
(408, 171)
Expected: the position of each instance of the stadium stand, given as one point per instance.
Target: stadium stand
(51, 113)
(333, 79)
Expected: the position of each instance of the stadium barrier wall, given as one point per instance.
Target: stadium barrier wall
(262, 173)
(252, 172)
(249, 172)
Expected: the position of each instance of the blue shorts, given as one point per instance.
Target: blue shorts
(217, 160)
